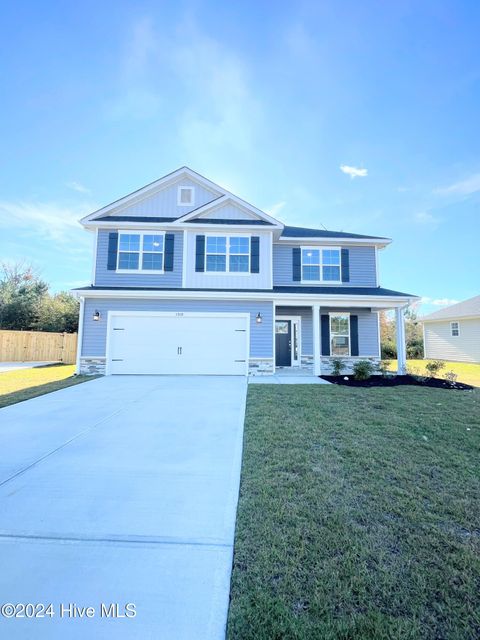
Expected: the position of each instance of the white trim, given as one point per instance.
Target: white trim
(425, 357)
(179, 197)
(317, 353)
(452, 322)
(368, 242)
(320, 265)
(227, 271)
(81, 313)
(293, 299)
(184, 258)
(298, 321)
(175, 314)
(378, 332)
(224, 199)
(140, 253)
(94, 265)
(334, 314)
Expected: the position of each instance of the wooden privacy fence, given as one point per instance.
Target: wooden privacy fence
(40, 346)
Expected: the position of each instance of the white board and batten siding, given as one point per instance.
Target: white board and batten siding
(165, 202)
(204, 280)
(441, 345)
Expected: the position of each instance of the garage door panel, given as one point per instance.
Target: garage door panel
(184, 344)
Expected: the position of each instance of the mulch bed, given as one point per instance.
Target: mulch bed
(395, 381)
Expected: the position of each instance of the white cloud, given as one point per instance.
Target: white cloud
(52, 221)
(77, 186)
(353, 172)
(275, 209)
(438, 302)
(426, 218)
(463, 187)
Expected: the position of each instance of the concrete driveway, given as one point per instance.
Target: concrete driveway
(121, 490)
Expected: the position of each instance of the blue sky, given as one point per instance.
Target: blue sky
(102, 98)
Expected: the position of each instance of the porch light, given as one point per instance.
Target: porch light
(259, 318)
(96, 316)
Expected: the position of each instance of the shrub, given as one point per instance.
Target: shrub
(338, 365)
(415, 349)
(383, 367)
(451, 376)
(363, 369)
(434, 367)
(389, 351)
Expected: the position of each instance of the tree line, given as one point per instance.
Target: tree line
(26, 303)
(413, 335)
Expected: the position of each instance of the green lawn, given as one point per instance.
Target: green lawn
(467, 372)
(24, 384)
(359, 515)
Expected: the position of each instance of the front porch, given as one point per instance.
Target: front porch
(308, 338)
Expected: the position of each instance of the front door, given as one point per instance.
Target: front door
(283, 343)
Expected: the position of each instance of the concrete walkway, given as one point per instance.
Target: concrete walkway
(15, 366)
(122, 490)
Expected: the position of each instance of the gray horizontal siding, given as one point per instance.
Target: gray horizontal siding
(440, 344)
(104, 277)
(363, 271)
(367, 327)
(164, 203)
(95, 332)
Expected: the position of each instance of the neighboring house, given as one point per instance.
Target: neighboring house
(190, 279)
(453, 333)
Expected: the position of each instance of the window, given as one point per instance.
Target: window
(340, 334)
(185, 196)
(140, 252)
(455, 329)
(227, 254)
(320, 265)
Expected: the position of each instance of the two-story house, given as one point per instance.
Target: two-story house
(190, 279)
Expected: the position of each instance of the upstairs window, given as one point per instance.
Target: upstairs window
(227, 254)
(340, 334)
(321, 265)
(185, 196)
(455, 329)
(140, 252)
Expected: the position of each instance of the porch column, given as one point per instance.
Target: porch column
(401, 345)
(317, 367)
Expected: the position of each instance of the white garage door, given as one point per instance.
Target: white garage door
(178, 343)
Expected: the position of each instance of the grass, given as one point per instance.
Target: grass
(467, 372)
(23, 384)
(359, 515)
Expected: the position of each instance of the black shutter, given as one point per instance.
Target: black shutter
(354, 335)
(254, 254)
(169, 249)
(345, 265)
(200, 254)
(325, 328)
(296, 264)
(112, 250)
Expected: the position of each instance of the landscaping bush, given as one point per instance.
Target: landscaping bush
(451, 376)
(389, 351)
(415, 349)
(363, 369)
(434, 367)
(383, 367)
(338, 365)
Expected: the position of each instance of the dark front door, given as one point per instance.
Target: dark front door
(283, 343)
